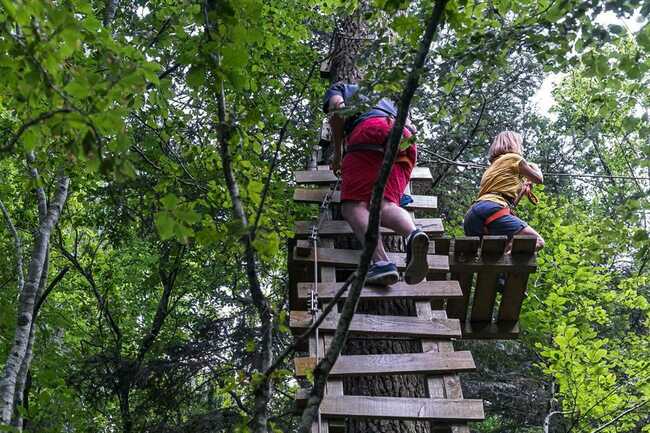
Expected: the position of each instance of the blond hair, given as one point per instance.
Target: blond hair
(505, 142)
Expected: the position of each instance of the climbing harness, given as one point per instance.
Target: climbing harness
(314, 308)
(509, 210)
(495, 216)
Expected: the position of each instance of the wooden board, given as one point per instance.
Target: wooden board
(486, 281)
(350, 258)
(396, 326)
(489, 331)
(420, 202)
(426, 290)
(408, 363)
(457, 307)
(443, 410)
(302, 229)
(324, 177)
(525, 265)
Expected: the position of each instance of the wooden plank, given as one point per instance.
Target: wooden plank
(343, 257)
(426, 290)
(486, 281)
(484, 296)
(397, 326)
(442, 245)
(507, 263)
(487, 330)
(324, 177)
(420, 202)
(302, 229)
(513, 297)
(464, 251)
(523, 245)
(408, 363)
(457, 307)
(435, 386)
(443, 410)
(493, 246)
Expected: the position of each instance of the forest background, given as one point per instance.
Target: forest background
(146, 159)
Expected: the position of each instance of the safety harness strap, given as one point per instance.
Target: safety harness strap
(495, 216)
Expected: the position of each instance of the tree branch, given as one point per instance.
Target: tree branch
(28, 124)
(262, 393)
(323, 368)
(621, 415)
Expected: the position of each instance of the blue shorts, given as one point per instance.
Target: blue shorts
(475, 218)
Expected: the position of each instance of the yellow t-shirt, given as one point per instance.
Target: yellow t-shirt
(502, 177)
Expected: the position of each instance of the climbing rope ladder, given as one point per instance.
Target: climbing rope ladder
(459, 299)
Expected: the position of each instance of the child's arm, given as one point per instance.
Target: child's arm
(337, 124)
(531, 171)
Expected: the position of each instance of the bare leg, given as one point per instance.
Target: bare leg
(528, 230)
(396, 218)
(356, 214)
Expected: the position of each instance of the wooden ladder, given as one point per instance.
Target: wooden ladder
(446, 289)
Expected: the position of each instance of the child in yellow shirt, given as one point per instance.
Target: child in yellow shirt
(507, 178)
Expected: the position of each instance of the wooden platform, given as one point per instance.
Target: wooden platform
(477, 264)
(461, 299)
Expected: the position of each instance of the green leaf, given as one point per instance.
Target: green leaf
(165, 225)
(196, 76)
(169, 201)
(234, 56)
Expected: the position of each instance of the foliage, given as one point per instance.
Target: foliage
(154, 328)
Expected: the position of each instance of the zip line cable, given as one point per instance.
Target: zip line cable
(475, 166)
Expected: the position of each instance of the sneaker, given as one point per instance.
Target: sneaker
(417, 247)
(383, 275)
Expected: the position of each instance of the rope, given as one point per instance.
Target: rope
(314, 309)
(475, 166)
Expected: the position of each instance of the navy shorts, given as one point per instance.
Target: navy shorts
(475, 218)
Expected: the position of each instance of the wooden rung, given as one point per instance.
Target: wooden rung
(420, 202)
(407, 363)
(335, 256)
(383, 325)
(357, 406)
(426, 290)
(324, 177)
(302, 229)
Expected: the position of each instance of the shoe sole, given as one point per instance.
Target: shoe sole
(385, 279)
(418, 267)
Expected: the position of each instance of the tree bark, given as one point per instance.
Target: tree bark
(109, 12)
(27, 300)
(21, 379)
(22, 383)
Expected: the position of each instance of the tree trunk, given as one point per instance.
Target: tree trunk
(27, 301)
(21, 380)
(348, 42)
